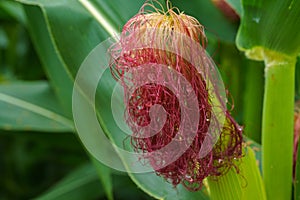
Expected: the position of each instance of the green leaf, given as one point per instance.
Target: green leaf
(13, 9)
(269, 24)
(69, 40)
(117, 12)
(31, 106)
(158, 188)
(18, 59)
(104, 174)
(82, 183)
(63, 41)
(209, 16)
(46, 48)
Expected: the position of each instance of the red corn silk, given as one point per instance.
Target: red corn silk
(156, 38)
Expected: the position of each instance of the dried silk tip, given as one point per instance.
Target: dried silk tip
(157, 38)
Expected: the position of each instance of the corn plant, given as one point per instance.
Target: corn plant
(84, 85)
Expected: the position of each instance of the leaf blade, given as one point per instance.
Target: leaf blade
(269, 25)
(31, 106)
(82, 183)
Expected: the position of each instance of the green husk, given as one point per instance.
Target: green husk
(247, 184)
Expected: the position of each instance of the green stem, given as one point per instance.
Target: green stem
(277, 128)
